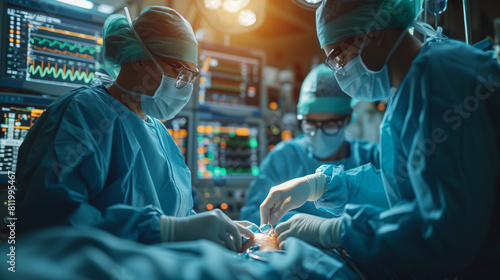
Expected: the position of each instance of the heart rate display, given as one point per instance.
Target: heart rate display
(17, 115)
(64, 47)
(51, 49)
(227, 149)
(229, 79)
(61, 71)
(178, 129)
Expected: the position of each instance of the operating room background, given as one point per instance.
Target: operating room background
(287, 37)
(280, 48)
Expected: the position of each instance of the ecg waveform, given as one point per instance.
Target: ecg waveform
(58, 55)
(72, 74)
(70, 33)
(62, 45)
(52, 50)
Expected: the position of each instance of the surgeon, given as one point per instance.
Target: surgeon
(440, 150)
(100, 156)
(325, 112)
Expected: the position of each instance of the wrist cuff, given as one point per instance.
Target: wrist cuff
(167, 227)
(329, 233)
(317, 185)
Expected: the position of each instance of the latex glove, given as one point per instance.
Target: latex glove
(212, 225)
(317, 231)
(290, 195)
(246, 223)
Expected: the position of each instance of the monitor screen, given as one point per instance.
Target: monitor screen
(178, 128)
(18, 114)
(48, 52)
(229, 77)
(227, 149)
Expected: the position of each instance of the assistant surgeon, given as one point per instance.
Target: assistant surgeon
(440, 150)
(100, 156)
(325, 112)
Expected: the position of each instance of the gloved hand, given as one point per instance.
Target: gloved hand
(317, 231)
(246, 223)
(212, 225)
(290, 195)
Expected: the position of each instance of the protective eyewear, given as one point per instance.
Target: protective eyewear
(337, 58)
(185, 75)
(329, 127)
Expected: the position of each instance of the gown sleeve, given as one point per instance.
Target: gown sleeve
(453, 163)
(63, 167)
(359, 185)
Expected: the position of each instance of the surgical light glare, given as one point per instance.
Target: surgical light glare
(313, 1)
(214, 62)
(105, 8)
(247, 18)
(80, 3)
(213, 4)
(233, 6)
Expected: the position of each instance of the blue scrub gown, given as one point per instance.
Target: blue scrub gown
(90, 161)
(292, 159)
(440, 157)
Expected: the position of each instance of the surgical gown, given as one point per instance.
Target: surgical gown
(292, 159)
(90, 161)
(440, 163)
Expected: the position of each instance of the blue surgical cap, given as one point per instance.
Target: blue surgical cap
(164, 32)
(337, 20)
(320, 93)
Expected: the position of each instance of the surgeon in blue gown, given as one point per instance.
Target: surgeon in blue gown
(100, 156)
(440, 150)
(325, 112)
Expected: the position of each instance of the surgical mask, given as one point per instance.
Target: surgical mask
(324, 146)
(167, 100)
(364, 84)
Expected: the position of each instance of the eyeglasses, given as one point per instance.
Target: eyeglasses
(185, 75)
(337, 57)
(329, 127)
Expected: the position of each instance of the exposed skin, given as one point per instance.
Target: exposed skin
(142, 77)
(340, 154)
(376, 49)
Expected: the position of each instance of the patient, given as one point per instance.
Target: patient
(265, 240)
(73, 253)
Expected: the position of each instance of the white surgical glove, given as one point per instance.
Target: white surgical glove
(290, 195)
(245, 223)
(212, 225)
(317, 231)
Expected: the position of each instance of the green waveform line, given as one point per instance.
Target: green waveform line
(66, 44)
(238, 170)
(52, 71)
(238, 142)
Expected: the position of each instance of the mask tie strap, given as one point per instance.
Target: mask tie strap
(396, 44)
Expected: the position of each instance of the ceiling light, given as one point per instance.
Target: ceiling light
(213, 4)
(247, 18)
(80, 3)
(308, 4)
(233, 16)
(105, 8)
(233, 6)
